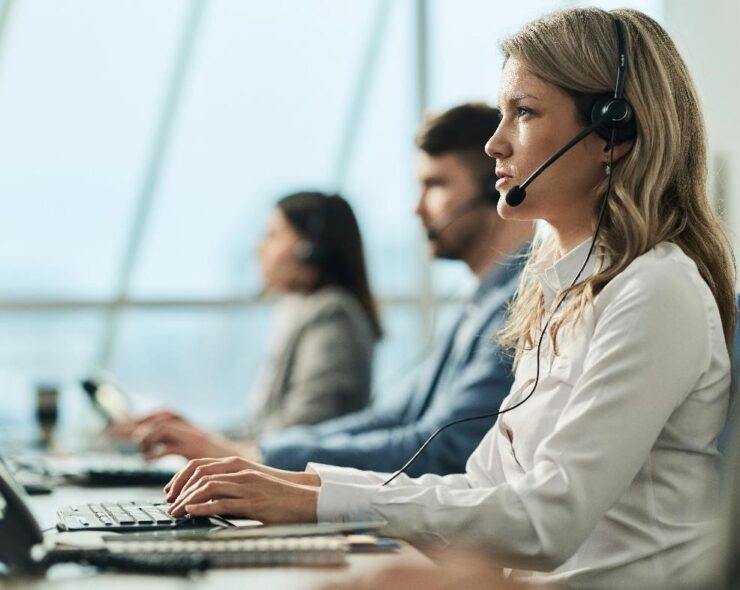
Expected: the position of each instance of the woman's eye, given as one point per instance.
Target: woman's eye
(523, 111)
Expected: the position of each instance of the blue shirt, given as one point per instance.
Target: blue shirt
(466, 375)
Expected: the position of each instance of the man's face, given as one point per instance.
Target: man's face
(446, 183)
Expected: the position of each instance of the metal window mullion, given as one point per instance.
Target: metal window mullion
(155, 166)
(421, 52)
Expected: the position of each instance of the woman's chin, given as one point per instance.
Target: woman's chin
(506, 211)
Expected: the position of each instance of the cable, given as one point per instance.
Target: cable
(542, 335)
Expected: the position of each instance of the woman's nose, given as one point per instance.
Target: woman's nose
(497, 146)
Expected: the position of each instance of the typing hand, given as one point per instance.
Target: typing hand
(198, 469)
(179, 437)
(248, 494)
(124, 430)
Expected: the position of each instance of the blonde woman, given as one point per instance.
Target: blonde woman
(604, 473)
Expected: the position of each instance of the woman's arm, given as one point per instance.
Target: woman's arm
(198, 469)
(248, 494)
(651, 348)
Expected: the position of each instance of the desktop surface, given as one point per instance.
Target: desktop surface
(272, 578)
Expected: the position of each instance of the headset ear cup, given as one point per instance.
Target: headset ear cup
(625, 129)
(305, 251)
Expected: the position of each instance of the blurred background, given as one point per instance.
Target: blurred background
(144, 142)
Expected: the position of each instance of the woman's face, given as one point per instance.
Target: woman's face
(538, 119)
(281, 270)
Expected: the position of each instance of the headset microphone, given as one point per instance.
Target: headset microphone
(516, 195)
(489, 196)
(611, 118)
(447, 219)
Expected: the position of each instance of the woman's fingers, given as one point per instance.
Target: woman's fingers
(199, 468)
(174, 486)
(219, 467)
(234, 485)
(254, 494)
(211, 490)
(230, 506)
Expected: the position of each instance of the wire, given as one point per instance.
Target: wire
(542, 335)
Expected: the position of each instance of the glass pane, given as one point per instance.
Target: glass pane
(262, 115)
(52, 349)
(200, 362)
(267, 108)
(80, 86)
(382, 176)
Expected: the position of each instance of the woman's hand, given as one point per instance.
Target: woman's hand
(248, 494)
(193, 473)
(179, 437)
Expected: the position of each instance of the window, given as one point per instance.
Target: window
(143, 145)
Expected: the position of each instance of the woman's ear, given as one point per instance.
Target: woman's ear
(620, 150)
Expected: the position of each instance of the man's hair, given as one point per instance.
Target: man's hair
(462, 131)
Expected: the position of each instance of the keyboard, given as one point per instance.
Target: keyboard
(124, 516)
(96, 470)
(121, 476)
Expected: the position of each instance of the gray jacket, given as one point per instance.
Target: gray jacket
(321, 363)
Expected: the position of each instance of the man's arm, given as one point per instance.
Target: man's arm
(480, 389)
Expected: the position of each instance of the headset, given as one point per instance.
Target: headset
(309, 248)
(611, 118)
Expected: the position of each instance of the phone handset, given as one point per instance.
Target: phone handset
(19, 531)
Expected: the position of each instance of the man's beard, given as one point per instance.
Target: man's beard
(446, 249)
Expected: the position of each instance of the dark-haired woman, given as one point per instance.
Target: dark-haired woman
(320, 356)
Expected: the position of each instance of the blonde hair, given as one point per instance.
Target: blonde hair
(658, 188)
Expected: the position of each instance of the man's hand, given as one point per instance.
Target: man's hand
(179, 437)
(125, 430)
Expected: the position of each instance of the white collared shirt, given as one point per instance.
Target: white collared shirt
(607, 476)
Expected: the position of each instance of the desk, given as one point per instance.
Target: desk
(73, 577)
